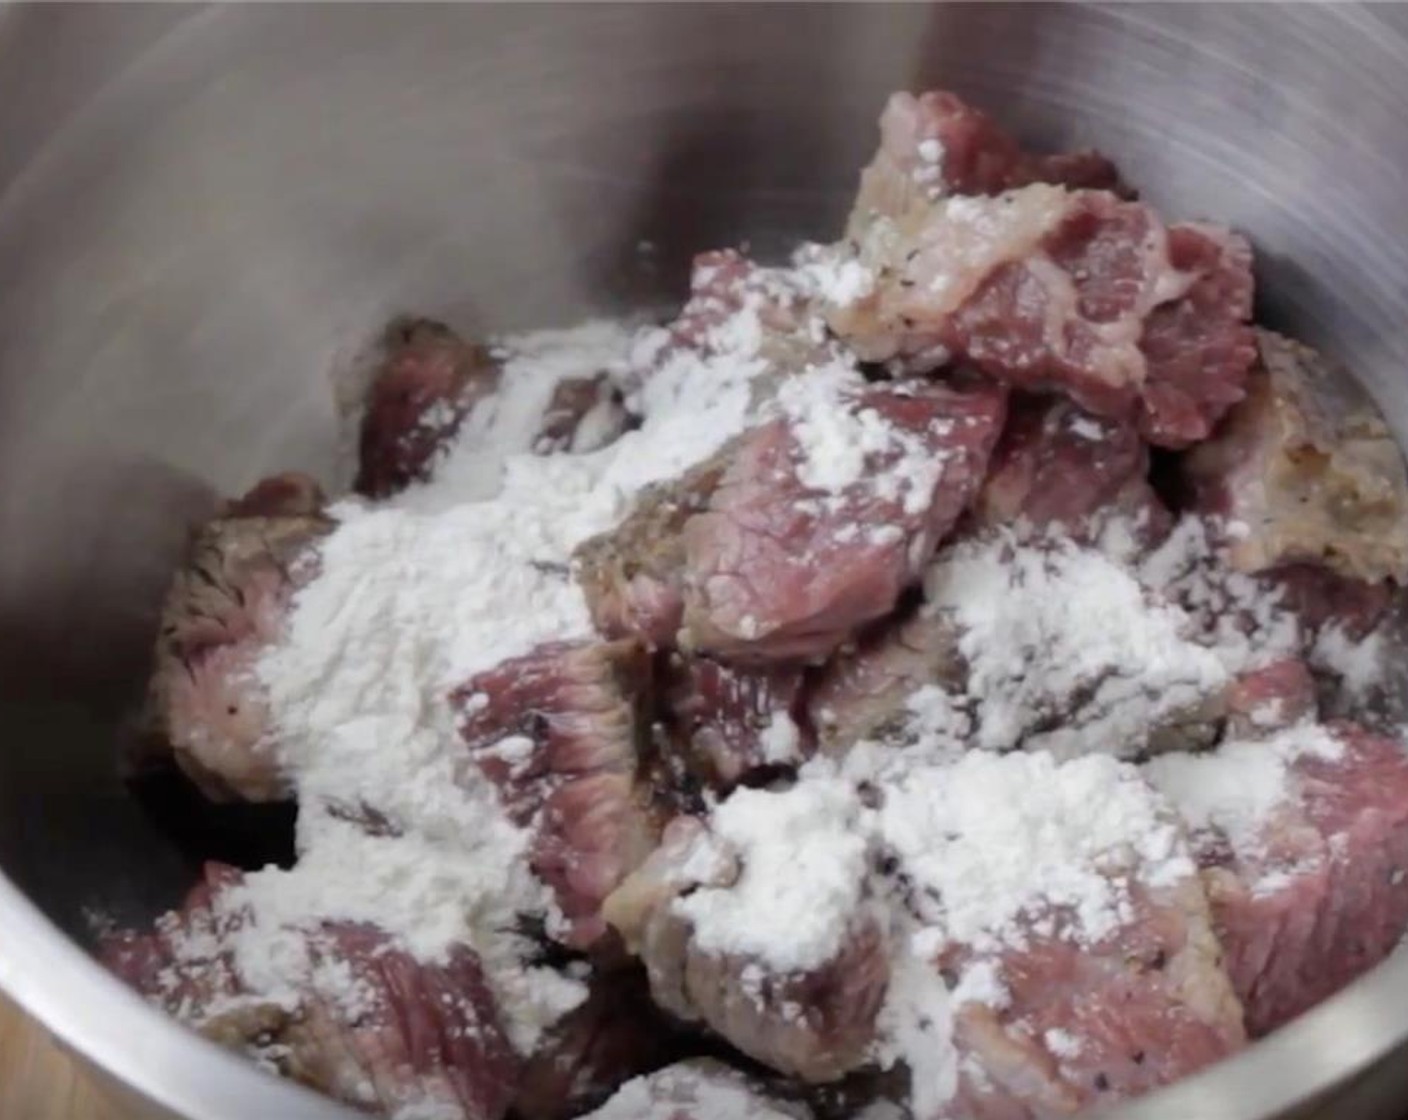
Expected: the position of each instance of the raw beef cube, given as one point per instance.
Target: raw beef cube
(1198, 348)
(701, 1089)
(1075, 291)
(371, 1027)
(225, 606)
(1078, 1028)
(935, 145)
(877, 690)
(615, 1035)
(1307, 469)
(1304, 838)
(726, 725)
(1059, 467)
(1003, 653)
(826, 514)
(1056, 936)
(814, 1023)
(562, 733)
(633, 574)
(428, 380)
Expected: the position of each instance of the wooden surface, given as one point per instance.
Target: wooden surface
(39, 1082)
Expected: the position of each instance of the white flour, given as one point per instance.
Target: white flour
(1075, 650)
(1235, 789)
(994, 845)
(803, 861)
(1362, 665)
(1234, 613)
(701, 1090)
(840, 443)
(509, 420)
(781, 739)
(417, 594)
(980, 854)
(916, 1026)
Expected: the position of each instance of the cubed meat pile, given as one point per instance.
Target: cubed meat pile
(947, 676)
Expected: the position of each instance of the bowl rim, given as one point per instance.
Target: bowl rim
(108, 1026)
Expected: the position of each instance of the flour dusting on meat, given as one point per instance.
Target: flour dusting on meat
(887, 724)
(417, 594)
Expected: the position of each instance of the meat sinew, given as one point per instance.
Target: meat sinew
(701, 1089)
(226, 605)
(371, 1026)
(725, 725)
(1058, 467)
(563, 733)
(1308, 468)
(1054, 289)
(825, 515)
(1304, 838)
(813, 1022)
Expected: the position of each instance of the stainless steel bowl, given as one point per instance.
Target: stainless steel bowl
(202, 208)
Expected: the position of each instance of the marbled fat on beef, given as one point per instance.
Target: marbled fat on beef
(562, 733)
(225, 606)
(1047, 288)
(936, 145)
